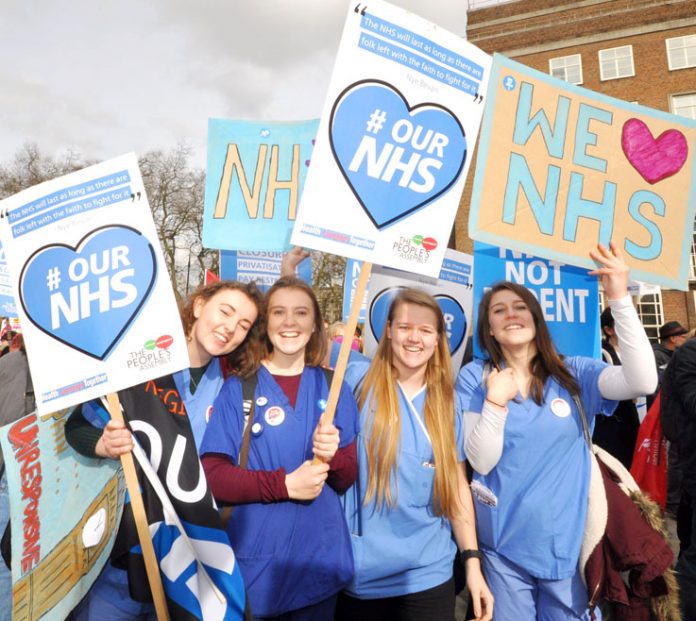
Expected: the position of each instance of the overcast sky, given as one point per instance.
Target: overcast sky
(113, 76)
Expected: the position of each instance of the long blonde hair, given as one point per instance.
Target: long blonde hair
(383, 424)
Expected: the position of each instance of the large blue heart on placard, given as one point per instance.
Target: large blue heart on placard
(452, 311)
(395, 158)
(88, 296)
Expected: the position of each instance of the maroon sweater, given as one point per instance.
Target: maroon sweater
(232, 484)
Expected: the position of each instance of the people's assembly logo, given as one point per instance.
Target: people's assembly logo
(416, 248)
(154, 352)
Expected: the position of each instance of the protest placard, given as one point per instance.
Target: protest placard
(93, 293)
(350, 283)
(253, 183)
(395, 141)
(453, 291)
(8, 308)
(262, 267)
(568, 296)
(561, 168)
(65, 511)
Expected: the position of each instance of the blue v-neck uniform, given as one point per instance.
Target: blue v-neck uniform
(531, 507)
(406, 548)
(291, 554)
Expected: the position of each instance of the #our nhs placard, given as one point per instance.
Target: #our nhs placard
(453, 291)
(254, 180)
(395, 141)
(568, 296)
(93, 294)
(561, 168)
(262, 267)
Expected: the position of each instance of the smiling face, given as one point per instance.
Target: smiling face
(510, 320)
(290, 322)
(414, 336)
(222, 322)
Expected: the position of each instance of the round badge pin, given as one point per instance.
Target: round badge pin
(261, 401)
(560, 407)
(274, 416)
(208, 413)
(256, 428)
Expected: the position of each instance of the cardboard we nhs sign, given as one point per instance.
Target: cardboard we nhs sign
(253, 184)
(453, 290)
(97, 308)
(395, 141)
(561, 168)
(568, 296)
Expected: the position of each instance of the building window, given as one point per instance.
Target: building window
(568, 68)
(616, 62)
(681, 52)
(684, 105)
(649, 309)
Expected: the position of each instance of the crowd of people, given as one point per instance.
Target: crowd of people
(421, 473)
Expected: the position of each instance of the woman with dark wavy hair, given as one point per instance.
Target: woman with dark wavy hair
(525, 441)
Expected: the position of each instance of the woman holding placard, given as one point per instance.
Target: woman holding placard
(287, 527)
(411, 508)
(219, 322)
(525, 441)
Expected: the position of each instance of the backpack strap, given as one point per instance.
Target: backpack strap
(248, 391)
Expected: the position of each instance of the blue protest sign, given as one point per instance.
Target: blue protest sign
(255, 176)
(350, 283)
(261, 267)
(453, 291)
(568, 296)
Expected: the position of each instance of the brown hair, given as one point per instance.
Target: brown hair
(241, 361)
(315, 350)
(546, 362)
(383, 415)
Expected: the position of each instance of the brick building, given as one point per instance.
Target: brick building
(642, 51)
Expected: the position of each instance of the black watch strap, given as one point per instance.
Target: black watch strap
(465, 555)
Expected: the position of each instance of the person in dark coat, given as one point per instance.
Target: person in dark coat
(616, 434)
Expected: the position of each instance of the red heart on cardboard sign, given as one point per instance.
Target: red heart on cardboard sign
(653, 158)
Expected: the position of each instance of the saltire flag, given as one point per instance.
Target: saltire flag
(199, 572)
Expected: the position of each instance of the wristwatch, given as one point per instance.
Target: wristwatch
(465, 555)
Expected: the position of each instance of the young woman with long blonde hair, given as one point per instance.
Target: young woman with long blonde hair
(411, 507)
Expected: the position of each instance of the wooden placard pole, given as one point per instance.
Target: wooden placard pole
(342, 363)
(136, 500)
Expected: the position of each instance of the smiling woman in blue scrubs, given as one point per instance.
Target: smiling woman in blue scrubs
(287, 529)
(525, 442)
(411, 506)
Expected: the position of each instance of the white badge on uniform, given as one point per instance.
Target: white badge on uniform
(560, 407)
(256, 428)
(274, 416)
(208, 413)
(261, 401)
